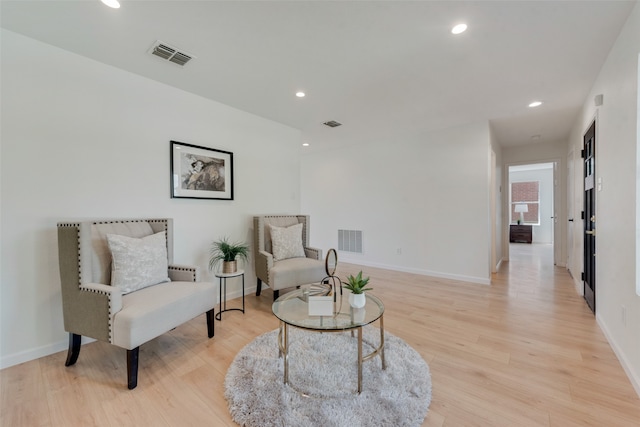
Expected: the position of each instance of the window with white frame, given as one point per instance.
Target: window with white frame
(525, 202)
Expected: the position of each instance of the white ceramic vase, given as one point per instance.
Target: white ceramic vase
(357, 300)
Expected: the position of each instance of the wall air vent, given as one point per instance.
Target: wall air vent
(350, 241)
(170, 53)
(332, 124)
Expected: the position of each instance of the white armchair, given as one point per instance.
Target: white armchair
(306, 267)
(120, 314)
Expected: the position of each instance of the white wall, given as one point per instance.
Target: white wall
(411, 194)
(616, 140)
(84, 140)
(543, 232)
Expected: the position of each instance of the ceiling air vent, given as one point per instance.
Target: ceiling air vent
(170, 53)
(332, 124)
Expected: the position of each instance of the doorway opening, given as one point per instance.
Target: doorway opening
(531, 212)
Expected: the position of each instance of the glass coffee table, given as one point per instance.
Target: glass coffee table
(293, 310)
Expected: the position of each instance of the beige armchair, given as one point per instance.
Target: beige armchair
(306, 267)
(122, 314)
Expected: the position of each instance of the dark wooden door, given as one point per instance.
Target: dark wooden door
(589, 157)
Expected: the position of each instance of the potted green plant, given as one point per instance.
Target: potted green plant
(227, 252)
(357, 285)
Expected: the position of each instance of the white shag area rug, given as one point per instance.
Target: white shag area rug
(323, 380)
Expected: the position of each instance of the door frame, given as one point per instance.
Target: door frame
(571, 211)
(589, 251)
(556, 208)
(577, 248)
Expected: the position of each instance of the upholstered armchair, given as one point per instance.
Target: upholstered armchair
(119, 285)
(281, 254)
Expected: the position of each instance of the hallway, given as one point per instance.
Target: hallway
(531, 265)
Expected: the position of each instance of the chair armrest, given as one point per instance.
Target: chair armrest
(263, 263)
(313, 253)
(92, 298)
(113, 293)
(184, 273)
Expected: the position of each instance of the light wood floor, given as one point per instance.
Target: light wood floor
(525, 351)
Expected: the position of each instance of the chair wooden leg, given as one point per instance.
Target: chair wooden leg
(74, 349)
(276, 294)
(211, 317)
(259, 288)
(132, 368)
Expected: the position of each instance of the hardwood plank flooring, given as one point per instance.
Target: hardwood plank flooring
(525, 351)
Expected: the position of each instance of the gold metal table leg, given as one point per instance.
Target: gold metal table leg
(280, 339)
(384, 364)
(283, 344)
(285, 353)
(359, 359)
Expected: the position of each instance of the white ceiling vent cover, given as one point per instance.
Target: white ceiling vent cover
(170, 53)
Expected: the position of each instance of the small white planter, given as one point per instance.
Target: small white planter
(357, 300)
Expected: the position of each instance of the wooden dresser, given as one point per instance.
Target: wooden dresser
(520, 233)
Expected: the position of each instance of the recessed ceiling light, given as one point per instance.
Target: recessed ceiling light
(300, 94)
(305, 144)
(112, 3)
(460, 28)
(535, 104)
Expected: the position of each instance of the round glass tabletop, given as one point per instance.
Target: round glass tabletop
(293, 309)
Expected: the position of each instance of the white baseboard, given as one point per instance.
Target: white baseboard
(577, 283)
(628, 369)
(46, 350)
(36, 353)
(238, 293)
(462, 278)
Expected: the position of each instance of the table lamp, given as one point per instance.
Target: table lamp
(521, 209)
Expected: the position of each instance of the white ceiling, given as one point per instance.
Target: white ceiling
(382, 68)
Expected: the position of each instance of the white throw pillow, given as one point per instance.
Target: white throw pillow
(138, 263)
(286, 242)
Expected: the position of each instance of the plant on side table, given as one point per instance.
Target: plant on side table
(227, 252)
(357, 285)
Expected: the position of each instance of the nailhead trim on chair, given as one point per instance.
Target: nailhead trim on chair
(96, 291)
(261, 239)
(312, 250)
(121, 222)
(166, 228)
(191, 269)
(80, 287)
(304, 240)
(77, 227)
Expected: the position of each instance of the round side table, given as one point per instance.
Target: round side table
(223, 283)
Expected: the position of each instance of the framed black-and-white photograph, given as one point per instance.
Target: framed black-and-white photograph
(200, 172)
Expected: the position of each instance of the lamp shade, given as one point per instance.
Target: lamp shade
(522, 208)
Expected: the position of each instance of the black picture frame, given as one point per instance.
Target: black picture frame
(200, 172)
